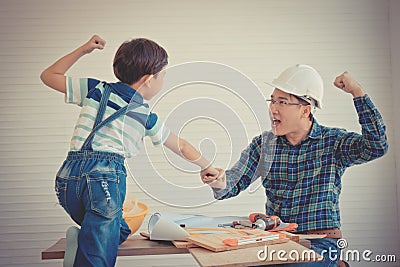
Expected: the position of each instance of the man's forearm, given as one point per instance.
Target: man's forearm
(358, 92)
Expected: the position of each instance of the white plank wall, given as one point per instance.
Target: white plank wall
(258, 38)
(395, 48)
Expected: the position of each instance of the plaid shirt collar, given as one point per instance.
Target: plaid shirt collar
(315, 133)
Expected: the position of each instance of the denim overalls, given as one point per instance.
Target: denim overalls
(91, 187)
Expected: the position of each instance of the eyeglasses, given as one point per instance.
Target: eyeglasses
(283, 103)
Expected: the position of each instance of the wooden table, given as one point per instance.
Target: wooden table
(133, 246)
(271, 254)
(139, 246)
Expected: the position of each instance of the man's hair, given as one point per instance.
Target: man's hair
(305, 103)
(138, 57)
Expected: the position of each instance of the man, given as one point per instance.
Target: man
(300, 161)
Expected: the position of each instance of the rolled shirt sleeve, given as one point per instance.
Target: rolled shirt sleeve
(156, 130)
(355, 148)
(77, 89)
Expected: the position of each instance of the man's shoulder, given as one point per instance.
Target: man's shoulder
(331, 131)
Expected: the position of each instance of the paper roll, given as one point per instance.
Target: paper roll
(163, 229)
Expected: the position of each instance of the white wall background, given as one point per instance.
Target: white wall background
(395, 56)
(259, 38)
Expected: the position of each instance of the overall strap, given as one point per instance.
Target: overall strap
(87, 145)
(103, 104)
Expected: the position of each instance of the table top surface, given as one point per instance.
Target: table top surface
(289, 252)
(138, 246)
(133, 246)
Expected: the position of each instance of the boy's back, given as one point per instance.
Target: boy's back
(123, 135)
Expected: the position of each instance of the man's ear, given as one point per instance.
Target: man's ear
(306, 111)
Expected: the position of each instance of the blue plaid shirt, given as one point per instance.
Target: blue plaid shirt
(303, 182)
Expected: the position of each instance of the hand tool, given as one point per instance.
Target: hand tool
(238, 224)
(263, 221)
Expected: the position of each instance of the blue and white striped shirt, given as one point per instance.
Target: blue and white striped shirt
(124, 135)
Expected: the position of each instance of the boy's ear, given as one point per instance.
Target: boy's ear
(144, 80)
(147, 78)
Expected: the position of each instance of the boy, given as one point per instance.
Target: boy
(91, 184)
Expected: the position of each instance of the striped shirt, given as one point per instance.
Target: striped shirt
(303, 182)
(124, 135)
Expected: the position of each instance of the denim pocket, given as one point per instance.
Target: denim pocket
(61, 192)
(103, 189)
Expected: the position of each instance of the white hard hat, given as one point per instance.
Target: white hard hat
(302, 81)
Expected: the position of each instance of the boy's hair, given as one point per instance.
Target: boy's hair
(138, 57)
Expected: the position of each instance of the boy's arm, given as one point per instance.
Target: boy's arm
(184, 149)
(54, 77)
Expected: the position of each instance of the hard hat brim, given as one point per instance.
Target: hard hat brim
(281, 88)
(317, 105)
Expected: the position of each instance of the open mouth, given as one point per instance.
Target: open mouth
(275, 122)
